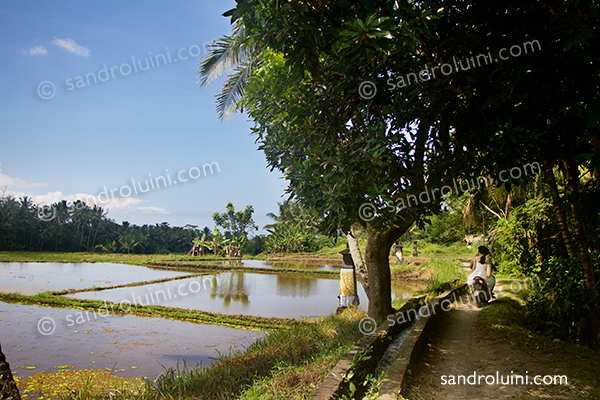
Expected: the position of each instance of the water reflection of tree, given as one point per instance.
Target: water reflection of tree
(234, 290)
(406, 289)
(294, 285)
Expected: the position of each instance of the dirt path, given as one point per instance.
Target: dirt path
(455, 349)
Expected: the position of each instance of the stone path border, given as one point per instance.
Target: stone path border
(335, 377)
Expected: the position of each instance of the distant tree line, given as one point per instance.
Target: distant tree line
(73, 227)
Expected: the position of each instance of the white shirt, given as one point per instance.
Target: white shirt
(480, 270)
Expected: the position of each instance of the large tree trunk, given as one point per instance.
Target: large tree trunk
(560, 213)
(584, 250)
(8, 387)
(377, 258)
(361, 269)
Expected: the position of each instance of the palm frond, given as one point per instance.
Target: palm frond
(236, 56)
(233, 90)
(224, 55)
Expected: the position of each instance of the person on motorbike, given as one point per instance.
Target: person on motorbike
(481, 265)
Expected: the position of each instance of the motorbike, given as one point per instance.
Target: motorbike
(481, 293)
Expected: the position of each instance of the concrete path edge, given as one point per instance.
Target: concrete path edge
(332, 382)
(412, 347)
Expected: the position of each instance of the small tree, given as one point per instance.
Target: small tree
(235, 223)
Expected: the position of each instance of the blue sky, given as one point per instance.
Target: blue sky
(78, 116)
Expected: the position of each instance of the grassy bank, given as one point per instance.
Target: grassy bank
(183, 263)
(506, 322)
(134, 259)
(118, 258)
(82, 383)
(202, 266)
(287, 364)
(183, 314)
(437, 272)
(329, 256)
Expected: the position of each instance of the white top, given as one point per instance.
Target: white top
(480, 270)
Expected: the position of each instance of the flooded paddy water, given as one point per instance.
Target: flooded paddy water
(240, 293)
(39, 338)
(33, 278)
(235, 293)
(128, 344)
(287, 265)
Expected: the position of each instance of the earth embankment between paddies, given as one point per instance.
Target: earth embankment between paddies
(209, 266)
(51, 299)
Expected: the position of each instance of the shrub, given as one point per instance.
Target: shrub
(445, 228)
(525, 239)
(559, 306)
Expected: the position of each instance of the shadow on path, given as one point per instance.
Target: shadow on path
(454, 349)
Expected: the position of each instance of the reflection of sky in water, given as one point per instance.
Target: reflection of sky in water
(250, 263)
(275, 265)
(88, 340)
(107, 341)
(33, 278)
(231, 293)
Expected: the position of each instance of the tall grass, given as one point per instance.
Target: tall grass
(282, 365)
(444, 271)
(456, 249)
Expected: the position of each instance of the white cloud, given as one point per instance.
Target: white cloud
(6, 180)
(51, 197)
(71, 46)
(103, 199)
(35, 51)
(100, 200)
(117, 204)
(54, 197)
(152, 210)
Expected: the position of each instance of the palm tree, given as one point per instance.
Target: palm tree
(108, 248)
(494, 203)
(77, 218)
(98, 215)
(128, 243)
(27, 211)
(236, 56)
(45, 234)
(61, 217)
(294, 213)
(207, 233)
